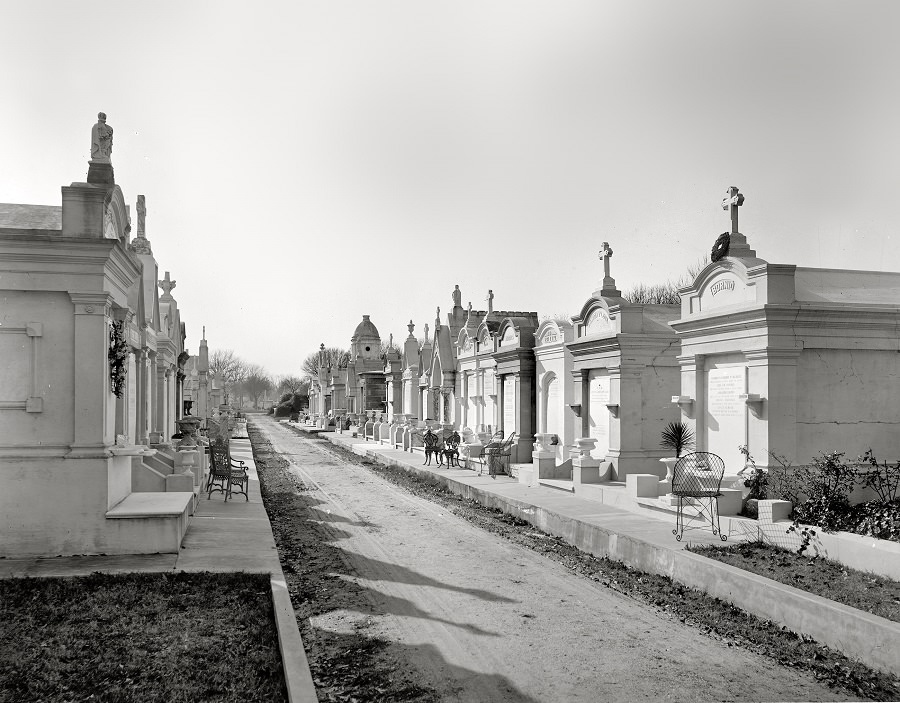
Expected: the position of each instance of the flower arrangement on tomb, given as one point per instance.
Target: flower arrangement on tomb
(720, 248)
(118, 357)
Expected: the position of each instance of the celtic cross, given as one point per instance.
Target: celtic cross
(732, 202)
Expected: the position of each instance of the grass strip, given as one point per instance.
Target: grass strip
(874, 594)
(712, 616)
(158, 637)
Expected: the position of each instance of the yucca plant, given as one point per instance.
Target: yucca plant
(678, 437)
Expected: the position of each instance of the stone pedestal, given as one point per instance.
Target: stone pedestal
(642, 485)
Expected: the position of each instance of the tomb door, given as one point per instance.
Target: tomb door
(552, 409)
(509, 405)
(599, 414)
(489, 395)
(726, 414)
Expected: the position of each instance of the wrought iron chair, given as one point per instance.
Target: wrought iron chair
(498, 453)
(225, 473)
(432, 444)
(697, 481)
(450, 452)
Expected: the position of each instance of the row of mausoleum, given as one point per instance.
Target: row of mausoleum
(775, 357)
(92, 386)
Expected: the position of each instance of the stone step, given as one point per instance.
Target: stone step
(558, 484)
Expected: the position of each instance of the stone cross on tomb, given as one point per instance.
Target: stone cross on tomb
(609, 283)
(605, 255)
(732, 201)
(490, 301)
(426, 332)
(167, 285)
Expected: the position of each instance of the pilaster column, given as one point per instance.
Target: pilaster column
(170, 403)
(161, 394)
(92, 400)
(151, 395)
(140, 405)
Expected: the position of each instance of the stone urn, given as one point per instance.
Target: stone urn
(670, 467)
(187, 427)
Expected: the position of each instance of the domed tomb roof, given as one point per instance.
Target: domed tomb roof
(365, 330)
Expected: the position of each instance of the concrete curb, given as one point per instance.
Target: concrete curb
(857, 634)
(297, 677)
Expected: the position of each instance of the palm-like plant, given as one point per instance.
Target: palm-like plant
(678, 437)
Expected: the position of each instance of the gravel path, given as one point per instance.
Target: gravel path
(478, 618)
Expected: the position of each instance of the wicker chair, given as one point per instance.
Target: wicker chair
(697, 481)
(432, 444)
(498, 453)
(225, 473)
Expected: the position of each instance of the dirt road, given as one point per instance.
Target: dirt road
(482, 619)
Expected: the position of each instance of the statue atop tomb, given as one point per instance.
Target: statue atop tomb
(101, 140)
(141, 245)
(437, 318)
(490, 301)
(457, 297)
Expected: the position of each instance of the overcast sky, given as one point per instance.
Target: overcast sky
(308, 163)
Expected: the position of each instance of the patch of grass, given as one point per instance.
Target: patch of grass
(139, 637)
(874, 594)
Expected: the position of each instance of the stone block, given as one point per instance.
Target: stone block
(179, 483)
(526, 475)
(774, 510)
(642, 485)
(731, 501)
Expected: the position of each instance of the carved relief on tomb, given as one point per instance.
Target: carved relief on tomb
(598, 322)
(723, 289)
(21, 371)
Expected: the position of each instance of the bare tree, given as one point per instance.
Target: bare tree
(255, 383)
(665, 293)
(290, 384)
(330, 357)
(230, 367)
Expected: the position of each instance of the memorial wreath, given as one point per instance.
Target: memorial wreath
(720, 248)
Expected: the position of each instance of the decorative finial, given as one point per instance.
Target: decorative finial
(167, 285)
(411, 327)
(732, 201)
(204, 332)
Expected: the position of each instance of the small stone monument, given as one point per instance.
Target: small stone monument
(100, 170)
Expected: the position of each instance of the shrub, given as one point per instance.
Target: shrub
(678, 437)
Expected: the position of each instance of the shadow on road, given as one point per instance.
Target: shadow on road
(323, 578)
